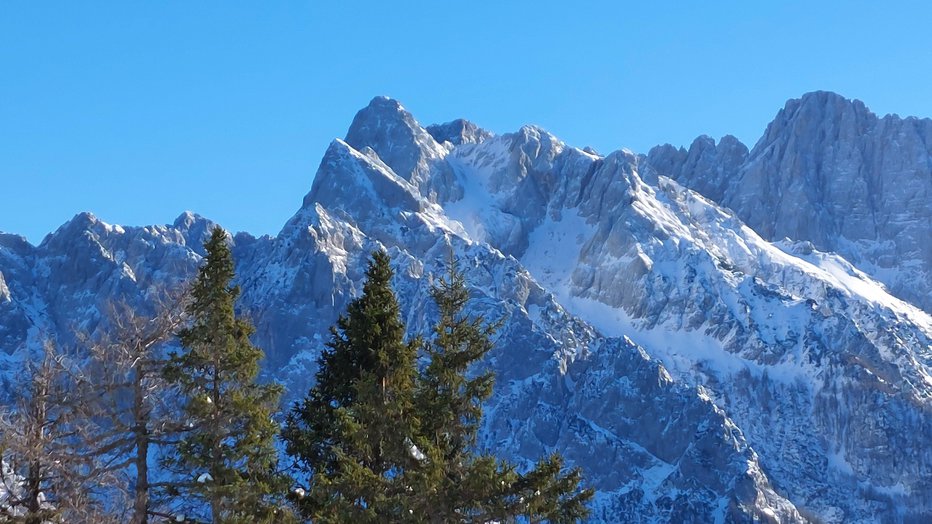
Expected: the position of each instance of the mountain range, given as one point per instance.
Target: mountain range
(714, 334)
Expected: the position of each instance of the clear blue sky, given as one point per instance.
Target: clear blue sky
(137, 111)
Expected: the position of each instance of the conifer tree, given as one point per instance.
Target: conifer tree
(476, 487)
(227, 461)
(354, 432)
(381, 441)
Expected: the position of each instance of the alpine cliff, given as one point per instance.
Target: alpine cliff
(712, 334)
(830, 172)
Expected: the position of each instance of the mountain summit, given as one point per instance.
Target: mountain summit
(392, 132)
(830, 172)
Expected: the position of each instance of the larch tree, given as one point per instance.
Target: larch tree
(124, 388)
(44, 446)
(226, 462)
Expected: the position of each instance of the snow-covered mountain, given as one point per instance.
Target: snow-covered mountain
(696, 371)
(829, 171)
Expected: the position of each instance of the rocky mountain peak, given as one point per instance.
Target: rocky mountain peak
(80, 221)
(186, 220)
(194, 228)
(396, 137)
(821, 117)
(719, 163)
(536, 147)
(15, 243)
(458, 132)
(360, 183)
(829, 171)
(822, 100)
(80, 225)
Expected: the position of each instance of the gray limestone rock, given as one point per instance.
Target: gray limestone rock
(458, 132)
(829, 171)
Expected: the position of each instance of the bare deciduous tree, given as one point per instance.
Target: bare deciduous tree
(42, 438)
(126, 397)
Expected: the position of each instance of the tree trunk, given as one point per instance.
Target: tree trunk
(141, 433)
(215, 500)
(33, 489)
(39, 417)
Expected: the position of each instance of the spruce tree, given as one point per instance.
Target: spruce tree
(226, 462)
(380, 441)
(475, 487)
(353, 434)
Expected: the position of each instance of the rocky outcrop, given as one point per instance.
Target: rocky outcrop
(830, 172)
(458, 132)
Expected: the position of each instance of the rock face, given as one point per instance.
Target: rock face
(393, 134)
(694, 370)
(710, 168)
(777, 334)
(830, 172)
(458, 132)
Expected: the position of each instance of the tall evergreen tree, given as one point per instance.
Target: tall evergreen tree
(475, 487)
(381, 441)
(226, 461)
(353, 433)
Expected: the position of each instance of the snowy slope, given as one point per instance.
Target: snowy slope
(827, 171)
(792, 343)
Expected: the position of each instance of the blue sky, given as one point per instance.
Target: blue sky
(137, 111)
